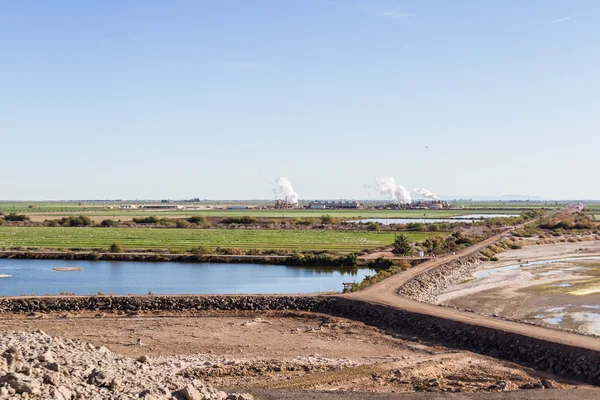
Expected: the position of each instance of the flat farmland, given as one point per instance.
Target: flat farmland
(99, 214)
(183, 239)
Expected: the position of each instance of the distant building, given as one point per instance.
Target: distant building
(333, 204)
(128, 206)
(436, 206)
(161, 207)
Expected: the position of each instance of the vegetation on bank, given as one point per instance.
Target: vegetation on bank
(392, 269)
(556, 225)
(313, 259)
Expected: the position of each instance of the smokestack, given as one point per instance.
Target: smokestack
(285, 187)
(387, 186)
(426, 193)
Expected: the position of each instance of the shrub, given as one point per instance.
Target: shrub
(380, 262)
(414, 226)
(108, 222)
(116, 248)
(12, 217)
(372, 226)
(433, 228)
(327, 219)
(246, 220)
(381, 275)
(302, 222)
(197, 219)
(146, 220)
(199, 250)
(229, 251)
(182, 223)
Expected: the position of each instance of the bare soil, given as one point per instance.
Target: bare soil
(277, 350)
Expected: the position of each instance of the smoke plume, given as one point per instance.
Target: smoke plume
(426, 193)
(387, 186)
(285, 187)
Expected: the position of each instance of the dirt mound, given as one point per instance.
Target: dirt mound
(37, 366)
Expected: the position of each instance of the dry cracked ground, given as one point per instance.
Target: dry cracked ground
(253, 351)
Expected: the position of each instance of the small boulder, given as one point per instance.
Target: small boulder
(190, 393)
(142, 359)
(21, 383)
(52, 366)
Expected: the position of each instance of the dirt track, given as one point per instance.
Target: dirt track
(580, 394)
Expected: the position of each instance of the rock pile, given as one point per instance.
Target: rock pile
(428, 285)
(38, 366)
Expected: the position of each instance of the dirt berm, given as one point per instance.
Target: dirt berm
(562, 359)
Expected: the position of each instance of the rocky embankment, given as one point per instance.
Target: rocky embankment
(132, 304)
(428, 285)
(38, 366)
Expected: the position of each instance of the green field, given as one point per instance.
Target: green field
(260, 213)
(149, 238)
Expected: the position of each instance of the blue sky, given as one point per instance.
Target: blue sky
(213, 99)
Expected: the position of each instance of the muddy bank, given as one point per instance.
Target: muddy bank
(560, 359)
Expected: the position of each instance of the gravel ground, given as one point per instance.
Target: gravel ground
(283, 350)
(34, 365)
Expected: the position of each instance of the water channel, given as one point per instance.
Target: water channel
(26, 277)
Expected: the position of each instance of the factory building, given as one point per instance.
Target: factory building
(161, 207)
(322, 205)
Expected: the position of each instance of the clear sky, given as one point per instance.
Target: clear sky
(213, 99)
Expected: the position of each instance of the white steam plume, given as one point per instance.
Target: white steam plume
(387, 186)
(285, 187)
(426, 193)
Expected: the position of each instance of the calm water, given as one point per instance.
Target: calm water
(37, 277)
(462, 218)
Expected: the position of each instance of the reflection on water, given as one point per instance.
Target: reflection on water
(37, 277)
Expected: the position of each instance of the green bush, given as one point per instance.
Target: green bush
(199, 250)
(182, 224)
(327, 219)
(245, 220)
(302, 222)
(116, 248)
(372, 226)
(12, 217)
(146, 220)
(197, 219)
(108, 223)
